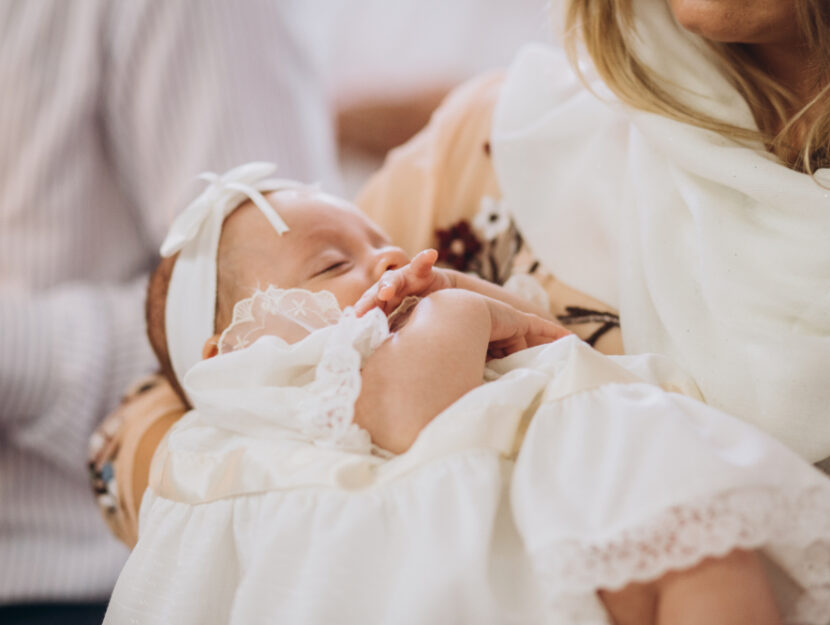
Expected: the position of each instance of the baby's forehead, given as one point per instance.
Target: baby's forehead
(310, 216)
(304, 208)
(299, 209)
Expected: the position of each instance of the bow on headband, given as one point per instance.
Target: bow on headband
(191, 296)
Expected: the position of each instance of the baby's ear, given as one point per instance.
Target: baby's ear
(211, 347)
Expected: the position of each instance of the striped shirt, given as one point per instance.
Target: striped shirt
(107, 112)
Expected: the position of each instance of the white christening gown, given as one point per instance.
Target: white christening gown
(565, 472)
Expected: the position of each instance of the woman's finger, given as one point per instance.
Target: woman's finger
(507, 346)
(548, 329)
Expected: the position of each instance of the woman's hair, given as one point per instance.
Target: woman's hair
(604, 27)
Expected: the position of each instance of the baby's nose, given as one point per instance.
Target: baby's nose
(389, 258)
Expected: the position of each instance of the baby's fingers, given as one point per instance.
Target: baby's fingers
(379, 295)
(367, 301)
(423, 262)
(391, 284)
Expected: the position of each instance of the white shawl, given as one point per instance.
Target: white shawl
(714, 253)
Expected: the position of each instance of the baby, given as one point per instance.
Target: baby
(565, 478)
(331, 246)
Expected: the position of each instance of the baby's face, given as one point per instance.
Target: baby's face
(330, 246)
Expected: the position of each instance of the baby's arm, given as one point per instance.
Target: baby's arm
(437, 357)
(420, 277)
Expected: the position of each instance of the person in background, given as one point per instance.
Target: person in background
(109, 109)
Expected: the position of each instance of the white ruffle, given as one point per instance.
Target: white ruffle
(304, 390)
(290, 314)
(329, 407)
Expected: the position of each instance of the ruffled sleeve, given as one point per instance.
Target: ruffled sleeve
(620, 483)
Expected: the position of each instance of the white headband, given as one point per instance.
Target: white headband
(189, 316)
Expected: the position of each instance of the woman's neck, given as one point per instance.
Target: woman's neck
(794, 66)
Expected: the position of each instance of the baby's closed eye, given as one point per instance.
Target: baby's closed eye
(334, 266)
(329, 263)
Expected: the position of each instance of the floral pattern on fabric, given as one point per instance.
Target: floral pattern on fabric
(486, 247)
(146, 411)
(492, 248)
(104, 446)
(458, 246)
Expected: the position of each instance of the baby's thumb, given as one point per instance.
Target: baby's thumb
(425, 260)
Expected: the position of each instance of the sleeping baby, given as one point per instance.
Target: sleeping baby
(374, 439)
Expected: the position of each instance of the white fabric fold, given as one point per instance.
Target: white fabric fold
(714, 253)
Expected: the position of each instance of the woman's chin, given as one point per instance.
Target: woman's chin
(735, 21)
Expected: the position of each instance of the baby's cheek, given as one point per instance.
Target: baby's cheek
(348, 292)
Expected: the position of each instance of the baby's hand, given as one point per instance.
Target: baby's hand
(419, 277)
(512, 330)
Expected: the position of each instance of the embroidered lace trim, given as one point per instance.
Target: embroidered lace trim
(794, 527)
(330, 405)
(291, 314)
(326, 411)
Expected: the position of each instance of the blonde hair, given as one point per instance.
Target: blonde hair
(603, 27)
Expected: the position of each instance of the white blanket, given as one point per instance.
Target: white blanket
(566, 472)
(714, 253)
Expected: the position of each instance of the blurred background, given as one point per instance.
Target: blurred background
(108, 111)
(387, 64)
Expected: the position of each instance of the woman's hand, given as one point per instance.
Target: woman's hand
(419, 277)
(512, 330)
